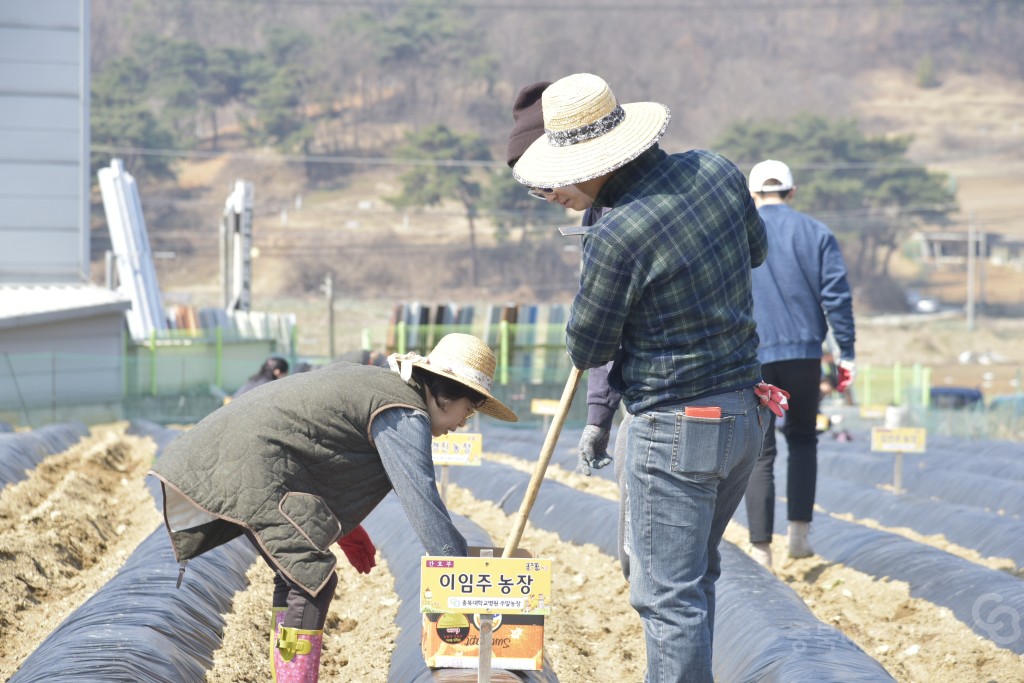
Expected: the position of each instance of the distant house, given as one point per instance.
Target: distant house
(1008, 251)
(61, 337)
(951, 246)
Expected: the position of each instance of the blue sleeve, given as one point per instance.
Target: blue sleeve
(836, 298)
(602, 400)
(402, 437)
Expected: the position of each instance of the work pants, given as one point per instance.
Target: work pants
(304, 611)
(801, 378)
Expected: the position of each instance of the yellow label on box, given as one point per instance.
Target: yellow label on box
(544, 406)
(485, 585)
(872, 411)
(457, 449)
(898, 440)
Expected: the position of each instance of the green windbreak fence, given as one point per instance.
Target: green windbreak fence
(181, 379)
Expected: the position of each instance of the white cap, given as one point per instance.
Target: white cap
(770, 169)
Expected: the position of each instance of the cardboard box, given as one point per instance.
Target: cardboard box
(452, 641)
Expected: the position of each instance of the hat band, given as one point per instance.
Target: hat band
(402, 363)
(463, 371)
(565, 138)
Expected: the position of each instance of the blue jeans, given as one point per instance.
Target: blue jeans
(621, 448)
(686, 477)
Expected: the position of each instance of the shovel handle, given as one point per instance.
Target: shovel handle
(542, 463)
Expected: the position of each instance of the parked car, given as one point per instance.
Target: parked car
(919, 303)
(956, 398)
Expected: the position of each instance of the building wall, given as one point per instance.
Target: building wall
(64, 362)
(44, 140)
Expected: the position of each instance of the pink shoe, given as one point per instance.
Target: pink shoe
(276, 619)
(295, 657)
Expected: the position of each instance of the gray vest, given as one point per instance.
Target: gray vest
(291, 461)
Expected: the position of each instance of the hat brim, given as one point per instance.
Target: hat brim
(543, 165)
(771, 188)
(492, 406)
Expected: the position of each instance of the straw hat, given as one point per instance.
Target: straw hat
(588, 134)
(463, 358)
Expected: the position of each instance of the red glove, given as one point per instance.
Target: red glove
(770, 395)
(847, 371)
(359, 549)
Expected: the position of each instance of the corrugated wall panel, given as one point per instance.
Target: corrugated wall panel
(40, 79)
(39, 45)
(41, 13)
(37, 180)
(23, 212)
(44, 140)
(38, 146)
(38, 112)
(41, 252)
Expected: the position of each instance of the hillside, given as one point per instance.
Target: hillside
(980, 147)
(712, 64)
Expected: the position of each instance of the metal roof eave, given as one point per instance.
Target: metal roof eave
(44, 317)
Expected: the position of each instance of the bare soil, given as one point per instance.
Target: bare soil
(70, 526)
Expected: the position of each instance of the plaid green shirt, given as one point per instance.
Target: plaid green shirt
(666, 275)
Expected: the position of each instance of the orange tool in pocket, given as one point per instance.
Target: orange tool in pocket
(703, 411)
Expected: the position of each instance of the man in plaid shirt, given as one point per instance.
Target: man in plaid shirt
(665, 290)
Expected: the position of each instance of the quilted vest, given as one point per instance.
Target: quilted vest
(291, 461)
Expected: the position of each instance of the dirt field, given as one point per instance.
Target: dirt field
(69, 527)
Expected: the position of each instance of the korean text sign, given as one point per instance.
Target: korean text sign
(898, 440)
(457, 449)
(485, 585)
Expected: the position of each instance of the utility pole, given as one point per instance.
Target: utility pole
(981, 240)
(328, 289)
(971, 245)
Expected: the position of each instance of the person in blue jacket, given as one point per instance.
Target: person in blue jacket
(799, 292)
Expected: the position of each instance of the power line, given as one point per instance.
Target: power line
(675, 7)
(1009, 168)
(294, 158)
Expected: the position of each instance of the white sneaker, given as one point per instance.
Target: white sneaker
(799, 545)
(762, 554)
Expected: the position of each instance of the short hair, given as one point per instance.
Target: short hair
(772, 182)
(275, 363)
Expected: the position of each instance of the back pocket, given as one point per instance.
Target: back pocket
(701, 448)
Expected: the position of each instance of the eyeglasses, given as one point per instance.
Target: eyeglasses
(540, 192)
